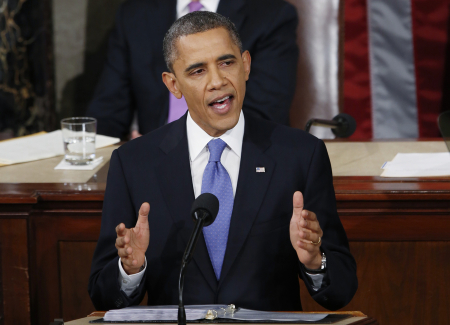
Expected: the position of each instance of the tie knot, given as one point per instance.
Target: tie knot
(195, 6)
(216, 147)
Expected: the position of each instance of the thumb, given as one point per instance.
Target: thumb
(298, 205)
(143, 214)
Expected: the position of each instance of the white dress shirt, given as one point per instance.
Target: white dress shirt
(199, 153)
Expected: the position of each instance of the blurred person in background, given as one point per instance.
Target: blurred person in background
(131, 88)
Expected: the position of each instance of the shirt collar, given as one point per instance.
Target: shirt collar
(208, 5)
(198, 138)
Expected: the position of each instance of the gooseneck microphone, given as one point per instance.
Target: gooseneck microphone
(342, 125)
(204, 211)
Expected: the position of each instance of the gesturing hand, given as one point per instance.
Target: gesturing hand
(132, 243)
(306, 234)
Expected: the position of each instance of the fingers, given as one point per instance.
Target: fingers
(121, 230)
(308, 236)
(297, 201)
(307, 246)
(309, 221)
(298, 204)
(132, 243)
(309, 215)
(143, 214)
(125, 252)
(122, 241)
(305, 241)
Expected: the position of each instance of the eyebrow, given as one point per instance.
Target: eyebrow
(194, 66)
(226, 56)
(199, 64)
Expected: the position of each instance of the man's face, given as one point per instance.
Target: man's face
(211, 73)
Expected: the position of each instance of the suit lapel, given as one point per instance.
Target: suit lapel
(175, 180)
(250, 191)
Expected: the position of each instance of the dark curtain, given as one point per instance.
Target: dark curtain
(25, 102)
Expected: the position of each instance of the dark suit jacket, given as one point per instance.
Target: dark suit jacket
(131, 79)
(260, 268)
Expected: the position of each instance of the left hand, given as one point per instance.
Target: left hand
(135, 134)
(305, 230)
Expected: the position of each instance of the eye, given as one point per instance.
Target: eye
(197, 72)
(227, 63)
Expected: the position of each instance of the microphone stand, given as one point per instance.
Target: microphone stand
(319, 122)
(200, 216)
(342, 125)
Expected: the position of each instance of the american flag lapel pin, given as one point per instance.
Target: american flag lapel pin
(260, 169)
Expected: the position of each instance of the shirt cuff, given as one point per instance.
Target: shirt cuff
(317, 280)
(129, 283)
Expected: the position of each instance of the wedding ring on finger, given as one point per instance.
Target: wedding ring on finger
(318, 242)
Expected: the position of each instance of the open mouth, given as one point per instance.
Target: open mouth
(222, 103)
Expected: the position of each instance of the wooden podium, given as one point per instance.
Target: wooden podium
(399, 233)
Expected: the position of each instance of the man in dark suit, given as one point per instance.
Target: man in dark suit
(131, 78)
(277, 205)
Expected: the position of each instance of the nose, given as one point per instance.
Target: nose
(217, 79)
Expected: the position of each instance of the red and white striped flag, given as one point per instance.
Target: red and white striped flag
(394, 56)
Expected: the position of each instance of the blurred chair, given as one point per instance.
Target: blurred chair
(318, 92)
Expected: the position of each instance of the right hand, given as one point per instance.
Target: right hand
(135, 134)
(132, 243)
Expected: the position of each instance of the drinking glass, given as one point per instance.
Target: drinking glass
(79, 139)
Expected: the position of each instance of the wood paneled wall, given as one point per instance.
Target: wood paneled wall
(399, 282)
(14, 271)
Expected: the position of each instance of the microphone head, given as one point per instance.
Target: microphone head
(209, 205)
(347, 125)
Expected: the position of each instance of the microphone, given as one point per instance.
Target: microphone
(204, 211)
(342, 125)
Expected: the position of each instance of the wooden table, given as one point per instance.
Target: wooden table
(399, 233)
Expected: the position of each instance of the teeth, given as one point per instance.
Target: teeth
(222, 100)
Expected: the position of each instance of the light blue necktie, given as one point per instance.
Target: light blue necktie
(217, 181)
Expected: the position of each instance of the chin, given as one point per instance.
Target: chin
(228, 123)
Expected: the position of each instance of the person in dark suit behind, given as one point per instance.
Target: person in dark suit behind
(131, 82)
(277, 218)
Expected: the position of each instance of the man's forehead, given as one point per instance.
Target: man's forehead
(211, 44)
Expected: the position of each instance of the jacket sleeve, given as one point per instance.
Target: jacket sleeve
(319, 197)
(104, 288)
(271, 84)
(112, 104)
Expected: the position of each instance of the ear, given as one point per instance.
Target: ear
(171, 82)
(247, 61)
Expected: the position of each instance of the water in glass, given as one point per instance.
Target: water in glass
(79, 140)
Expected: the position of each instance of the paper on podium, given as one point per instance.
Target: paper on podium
(199, 312)
(255, 315)
(41, 146)
(418, 165)
(154, 313)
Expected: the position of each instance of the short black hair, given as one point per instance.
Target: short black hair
(193, 23)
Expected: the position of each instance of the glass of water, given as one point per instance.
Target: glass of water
(79, 139)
